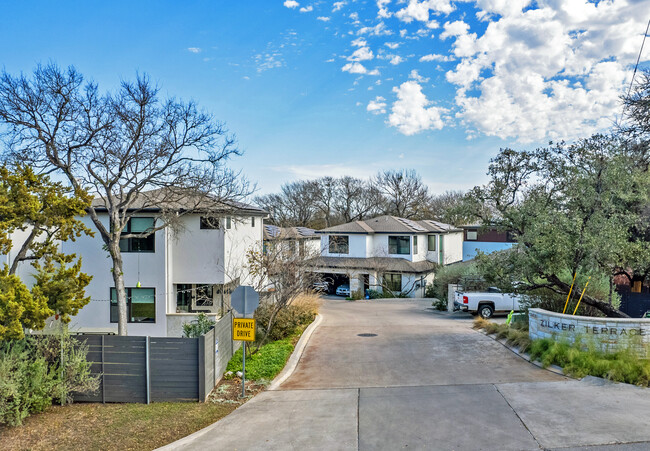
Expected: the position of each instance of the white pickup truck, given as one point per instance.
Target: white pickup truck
(486, 303)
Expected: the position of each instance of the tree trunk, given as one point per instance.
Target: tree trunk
(604, 307)
(118, 280)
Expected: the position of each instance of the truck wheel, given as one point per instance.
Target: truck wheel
(485, 311)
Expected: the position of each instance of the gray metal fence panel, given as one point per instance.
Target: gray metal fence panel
(174, 369)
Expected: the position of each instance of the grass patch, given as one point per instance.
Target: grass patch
(266, 363)
(622, 366)
(111, 426)
(516, 334)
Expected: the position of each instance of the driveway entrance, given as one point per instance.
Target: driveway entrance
(397, 375)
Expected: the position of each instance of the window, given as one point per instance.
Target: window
(339, 244)
(209, 223)
(431, 243)
(140, 305)
(393, 282)
(139, 225)
(228, 222)
(399, 245)
(252, 221)
(511, 237)
(415, 244)
(472, 235)
(191, 297)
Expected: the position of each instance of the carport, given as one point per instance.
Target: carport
(334, 280)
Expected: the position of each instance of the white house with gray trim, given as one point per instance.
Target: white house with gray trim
(395, 253)
(171, 275)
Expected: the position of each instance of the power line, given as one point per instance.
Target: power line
(638, 59)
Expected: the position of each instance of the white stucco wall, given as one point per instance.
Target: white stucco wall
(453, 247)
(198, 254)
(95, 261)
(238, 240)
(356, 246)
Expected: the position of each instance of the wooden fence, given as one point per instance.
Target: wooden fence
(155, 369)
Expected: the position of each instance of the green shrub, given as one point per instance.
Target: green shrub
(38, 370)
(374, 294)
(439, 304)
(300, 312)
(200, 326)
(357, 295)
(266, 363)
(450, 274)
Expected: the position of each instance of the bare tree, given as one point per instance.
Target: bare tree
(284, 271)
(356, 199)
(293, 206)
(135, 150)
(405, 194)
(448, 208)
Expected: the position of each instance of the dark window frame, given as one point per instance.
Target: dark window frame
(113, 305)
(339, 244)
(134, 244)
(390, 282)
(429, 239)
(401, 245)
(473, 231)
(415, 244)
(209, 223)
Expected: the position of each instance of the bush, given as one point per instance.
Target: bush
(440, 304)
(200, 326)
(300, 312)
(38, 370)
(515, 334)
(450, 274)
(266, 363)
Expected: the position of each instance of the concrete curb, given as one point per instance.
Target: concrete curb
(552, 368)
(292, 363)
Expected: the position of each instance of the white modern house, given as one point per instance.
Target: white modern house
(172, 274)
(302, 241)
(387, 252)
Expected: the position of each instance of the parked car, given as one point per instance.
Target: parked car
(321, 287)
(343, 290)
(486, 303)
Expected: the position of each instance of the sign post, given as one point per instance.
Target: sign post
(244, 300)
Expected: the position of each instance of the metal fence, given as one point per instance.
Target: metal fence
(154, 369)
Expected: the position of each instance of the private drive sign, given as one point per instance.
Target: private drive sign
(243, 329)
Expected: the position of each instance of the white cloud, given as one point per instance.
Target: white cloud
(194, 49)
(552, 72)
(377, 106)
(435, 57)
(268, 61)
(359, 42)
(383, 11)
(417, 77)
(355, 68)
(392, 45)
(338, 5)
(354, 16)
(323, 18)
(412, 112)
(291, 4)
(361, 54)
(378, 30)
(306, 9)
(419, 11)
(395, 59)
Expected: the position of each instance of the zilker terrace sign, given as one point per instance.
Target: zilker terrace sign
(610, 334)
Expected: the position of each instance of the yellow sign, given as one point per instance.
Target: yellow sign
(243, 329)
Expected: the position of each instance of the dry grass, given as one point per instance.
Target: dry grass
(310, 302)
(111, 426)
(516, 335)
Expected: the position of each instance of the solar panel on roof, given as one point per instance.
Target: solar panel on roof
(273, 231)
(412, 224)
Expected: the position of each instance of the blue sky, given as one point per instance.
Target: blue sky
(316, 88)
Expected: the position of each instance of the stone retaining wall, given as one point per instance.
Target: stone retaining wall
(610, 334)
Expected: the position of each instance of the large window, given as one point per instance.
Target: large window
(399, 245)
(138, 225)
(339, 244)
(431, 243)
(140, 305)
(192, 297)
(393, 282)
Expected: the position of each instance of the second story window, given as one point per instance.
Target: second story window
(209, 223)
(472, 235)
(228, 222)
(252, 221)
(139, 226)
(339, 244)
(415, 244)
(400, 245)
(431, 243)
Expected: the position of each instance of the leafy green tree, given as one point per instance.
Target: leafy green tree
(36, 214)
(574, 209)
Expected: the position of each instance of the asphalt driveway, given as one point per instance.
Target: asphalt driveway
(397, 375)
